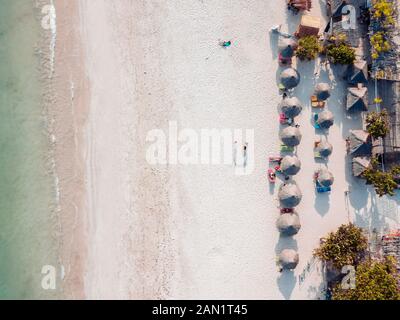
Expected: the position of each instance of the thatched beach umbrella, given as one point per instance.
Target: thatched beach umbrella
(359, 165)
(325, 177)
(322, 91)
(287, 46)
(288, 224)
(324, 148)
(290, 78)
(288, 259)
(357, 99)
(325, 119)
(291, 107)
(291, 136)
(289, 195)
(290, 165)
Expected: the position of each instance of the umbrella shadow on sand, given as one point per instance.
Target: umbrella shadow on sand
(273, 42)
(322, 203)
(286, 281)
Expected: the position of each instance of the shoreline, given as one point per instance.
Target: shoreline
(69, 111)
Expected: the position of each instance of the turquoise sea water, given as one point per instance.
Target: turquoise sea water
(27, 219)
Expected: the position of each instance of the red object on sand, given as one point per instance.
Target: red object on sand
(300, 4)
(271, 175)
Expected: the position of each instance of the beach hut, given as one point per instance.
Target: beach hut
(357, 99)
(309, 26)
(324, 149)
(288, 259)
(359, 143)
(287, 47)
(290, 78)
(335, 8)
(325, 119)
(358, 73)
(291, 136)
(288, 224)
(322, 91)
(325, 177)
(290, 165)
(359, 165)
(291, 107)
(289, 195)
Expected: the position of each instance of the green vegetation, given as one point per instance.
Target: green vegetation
(340, 53)
(309, 48)
(346, 246)
(378, 124)
(380, 44)
(383, 12)
(374, 281)
(383, 182)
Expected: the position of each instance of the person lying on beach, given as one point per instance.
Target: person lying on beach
(226, 44)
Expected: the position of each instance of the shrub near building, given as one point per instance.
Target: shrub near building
(383, 182)
(308, 48)
(378, 124)
(344, 247)
(340, 53)
(375, 280)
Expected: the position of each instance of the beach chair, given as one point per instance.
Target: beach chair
(317, 155)
(271, 175)
(323, 189)
(284, 120)
(315, 119)
(285, 148)
(320, 188)
(284, 61)
(315, 103)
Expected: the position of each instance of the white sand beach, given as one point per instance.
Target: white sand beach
(194, 231)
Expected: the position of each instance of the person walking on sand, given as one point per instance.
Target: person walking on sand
(245, 146)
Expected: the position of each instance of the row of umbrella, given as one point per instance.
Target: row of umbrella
(289, 194)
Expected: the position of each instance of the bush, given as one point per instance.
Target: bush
(308, 48)
(378, 124)
(383, 14)
(341, 53)
(383, 10)
(374, 281)
(346, 246)
(380, 44)
(383, 182)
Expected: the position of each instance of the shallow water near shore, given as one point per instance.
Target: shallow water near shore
(27, 197)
